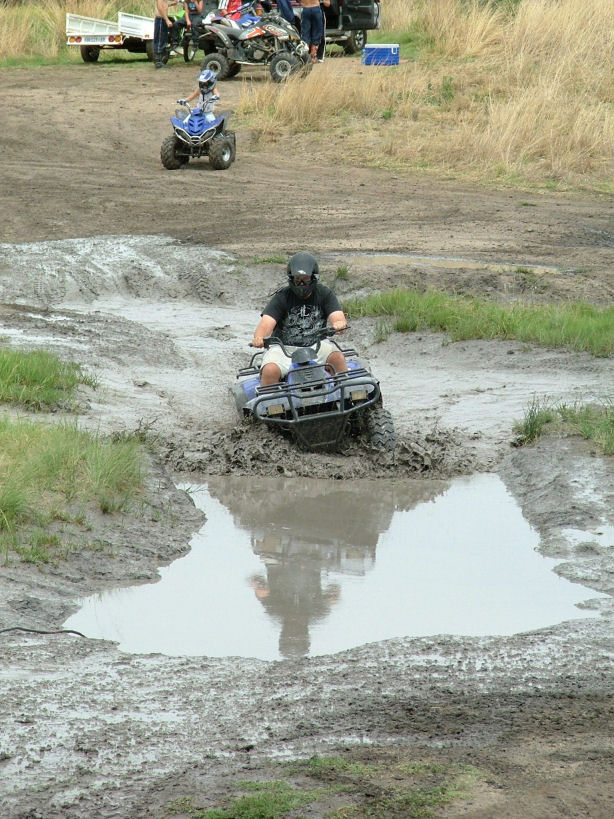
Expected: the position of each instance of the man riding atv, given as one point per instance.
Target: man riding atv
(295, 314)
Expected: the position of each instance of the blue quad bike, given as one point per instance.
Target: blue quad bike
(316, 408)
(196, 134)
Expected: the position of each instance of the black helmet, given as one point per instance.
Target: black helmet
(302, 265)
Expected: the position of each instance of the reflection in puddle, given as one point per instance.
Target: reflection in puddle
(294, 567)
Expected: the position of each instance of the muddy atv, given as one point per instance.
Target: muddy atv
(315, 407)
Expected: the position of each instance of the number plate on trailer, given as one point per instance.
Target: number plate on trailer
(95, 38)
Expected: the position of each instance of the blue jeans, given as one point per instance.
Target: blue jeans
(284, 7)
(311, 26)
(160, 40)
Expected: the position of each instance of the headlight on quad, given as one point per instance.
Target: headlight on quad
(358, 395)
(275, 409)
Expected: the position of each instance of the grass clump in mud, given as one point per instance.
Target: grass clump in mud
(390, 786)
(593, 422)
(579, 326)
(51, 477)
(39, 380)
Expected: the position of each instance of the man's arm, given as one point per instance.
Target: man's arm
(265, 327)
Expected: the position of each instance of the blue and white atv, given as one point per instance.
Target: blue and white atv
(197, 133)
(318, 409)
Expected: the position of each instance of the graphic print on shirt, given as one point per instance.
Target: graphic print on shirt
(300, 323)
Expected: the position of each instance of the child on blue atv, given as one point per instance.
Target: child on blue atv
(207, 93)
(200, 132)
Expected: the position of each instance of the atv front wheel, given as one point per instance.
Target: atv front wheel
(217, 63)
(283, 66)
(222, 151)
(168, 154)
(190, 50)
(379, 428)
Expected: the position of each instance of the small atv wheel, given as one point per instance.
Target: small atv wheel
(355, 42)
(222, 151)
(90, 54)
(283, 66)
(189, 50)
(217, 63)
(168, 154)
(379, 428)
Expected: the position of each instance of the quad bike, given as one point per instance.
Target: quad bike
(244, 17)
(317, 408)
(199, 133)
(253, 40)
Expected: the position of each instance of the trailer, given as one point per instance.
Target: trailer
(131, 32)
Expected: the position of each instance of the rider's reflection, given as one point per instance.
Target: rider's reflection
(292, 592)
(307, 531)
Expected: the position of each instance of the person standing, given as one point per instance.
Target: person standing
(162, 23)
(284, 7)
(193, 18)
(311, 26)
(321, 50)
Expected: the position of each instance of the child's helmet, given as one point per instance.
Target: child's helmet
(206, 79)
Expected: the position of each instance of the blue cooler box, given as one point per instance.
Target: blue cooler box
(382, 54)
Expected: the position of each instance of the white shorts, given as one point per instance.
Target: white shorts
(275, 355)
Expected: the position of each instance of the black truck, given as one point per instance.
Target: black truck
(347, 22)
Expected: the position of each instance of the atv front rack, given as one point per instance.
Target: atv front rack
(313, 410)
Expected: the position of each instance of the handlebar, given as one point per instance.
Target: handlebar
(322, 333)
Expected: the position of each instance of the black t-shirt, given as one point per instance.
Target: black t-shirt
(298, 318)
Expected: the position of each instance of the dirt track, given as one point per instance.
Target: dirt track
(88, 731)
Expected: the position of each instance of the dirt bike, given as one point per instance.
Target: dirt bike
(253, 40)
(319, 409)
(200, 133)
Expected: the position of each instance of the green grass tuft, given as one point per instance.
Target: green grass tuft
(39, 380)
(579, 326)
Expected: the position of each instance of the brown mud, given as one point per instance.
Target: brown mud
(155, 279)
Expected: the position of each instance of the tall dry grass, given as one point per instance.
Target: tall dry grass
(504, 90)
(38, 28)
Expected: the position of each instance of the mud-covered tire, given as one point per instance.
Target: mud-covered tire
(217, 63)
(168, 154)
(222, 151)
(379, 428)
(283, 66)
(355, 42)
(90, 54)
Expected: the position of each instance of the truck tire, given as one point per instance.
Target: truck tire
(168, 154)
(283, 66)
(217, 63)
(90, 54)
(222, 151)
(355, 42)
(379, 428)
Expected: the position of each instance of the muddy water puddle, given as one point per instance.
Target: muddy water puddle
(291, 567)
